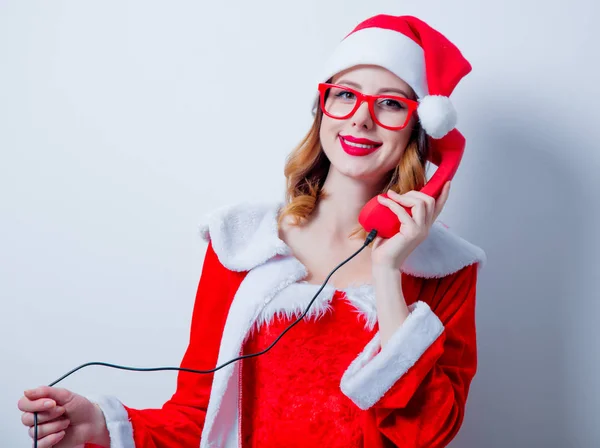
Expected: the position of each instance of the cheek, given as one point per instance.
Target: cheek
(328, 132)
(397, 142)
(329, 125)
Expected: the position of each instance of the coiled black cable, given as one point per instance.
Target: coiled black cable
(370, 237)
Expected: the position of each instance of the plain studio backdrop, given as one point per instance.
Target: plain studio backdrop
(123, 123)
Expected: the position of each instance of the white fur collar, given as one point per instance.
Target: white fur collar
(292, 301)
(245, 236)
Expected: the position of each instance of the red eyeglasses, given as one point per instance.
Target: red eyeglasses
(388, 111)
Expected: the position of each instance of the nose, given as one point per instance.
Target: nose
(362, 117)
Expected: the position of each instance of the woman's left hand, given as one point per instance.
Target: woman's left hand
(392, 252)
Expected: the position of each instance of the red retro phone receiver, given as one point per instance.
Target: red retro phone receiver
(446, 153)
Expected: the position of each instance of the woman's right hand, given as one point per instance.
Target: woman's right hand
(65, 419)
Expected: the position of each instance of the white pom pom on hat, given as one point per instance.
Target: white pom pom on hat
(415, 52)
(437, 115)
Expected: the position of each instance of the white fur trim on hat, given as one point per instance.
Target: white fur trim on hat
(437, 115)
(386, 48)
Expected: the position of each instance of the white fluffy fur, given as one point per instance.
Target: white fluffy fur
(372, 374)
(119, 427)
(437, 115)
(442, 253)
(292, 301)
(386, 48)
(245, 236)
(256, 291)
(362, 297)
(271, 289)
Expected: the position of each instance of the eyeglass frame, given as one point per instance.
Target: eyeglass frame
(370, 99)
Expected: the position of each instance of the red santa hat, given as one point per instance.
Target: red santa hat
(415, 52)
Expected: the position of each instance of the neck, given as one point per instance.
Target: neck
(336, 215)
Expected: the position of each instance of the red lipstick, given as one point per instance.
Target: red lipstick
(367, 146)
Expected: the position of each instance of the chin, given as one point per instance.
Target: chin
(369, 168)
(357, 169)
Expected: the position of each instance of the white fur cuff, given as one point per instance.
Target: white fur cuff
(372, 374)
(117, 421)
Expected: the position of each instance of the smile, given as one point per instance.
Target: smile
(358, 147)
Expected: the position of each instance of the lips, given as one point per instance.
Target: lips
(358, 146)
(361, 141)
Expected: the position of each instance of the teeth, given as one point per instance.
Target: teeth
(358, 145)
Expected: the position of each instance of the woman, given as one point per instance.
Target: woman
(386, 354)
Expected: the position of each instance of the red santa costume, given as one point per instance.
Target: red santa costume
(327, 382)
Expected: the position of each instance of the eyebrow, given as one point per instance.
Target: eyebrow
(384, 90)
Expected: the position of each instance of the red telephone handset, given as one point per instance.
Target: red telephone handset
(446, 153)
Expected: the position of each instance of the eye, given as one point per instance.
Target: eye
(345, 94)
(390, 103)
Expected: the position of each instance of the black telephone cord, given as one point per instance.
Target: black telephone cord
(368, 240)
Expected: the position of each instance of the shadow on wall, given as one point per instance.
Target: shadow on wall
(528, 219)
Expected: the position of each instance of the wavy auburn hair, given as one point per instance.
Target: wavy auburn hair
(307, 166)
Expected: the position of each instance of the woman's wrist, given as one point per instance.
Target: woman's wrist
(100, 435)
(389, 299)
(384, 271)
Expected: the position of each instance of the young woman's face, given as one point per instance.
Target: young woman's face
(338, 137)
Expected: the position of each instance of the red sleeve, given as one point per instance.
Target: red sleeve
(428, 367)
(179, 423)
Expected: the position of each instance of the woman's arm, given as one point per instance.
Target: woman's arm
(179, 422)
(415, 386)
(391, 306)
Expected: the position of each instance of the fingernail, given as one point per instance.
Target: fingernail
(48, 404)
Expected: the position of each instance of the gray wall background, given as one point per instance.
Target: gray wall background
(122, 123)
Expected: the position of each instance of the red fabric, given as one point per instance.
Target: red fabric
(291, 395)
(178, 424)
(425, 408)
(444, 62)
